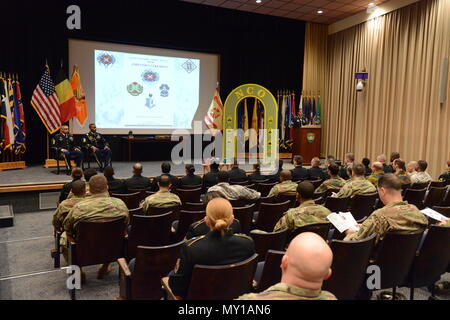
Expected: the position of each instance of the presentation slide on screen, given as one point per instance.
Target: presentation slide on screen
(145, 91)
(142, 89)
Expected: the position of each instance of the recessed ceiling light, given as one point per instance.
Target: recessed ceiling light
(258, 1)
(371, 4)
(319, 11)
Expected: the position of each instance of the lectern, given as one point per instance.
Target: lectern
(306, 142)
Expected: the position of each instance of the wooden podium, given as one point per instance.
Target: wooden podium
(307, 142)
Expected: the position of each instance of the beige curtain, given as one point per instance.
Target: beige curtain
(399, 109)
(315, 58)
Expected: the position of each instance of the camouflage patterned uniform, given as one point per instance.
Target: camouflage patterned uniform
(62, 211)
(284, 187)
(333, 183)
(307, 213)
(396, 216)
(375, 176)
(357, 185)
(161, 199)
(420, 177)
(403, 176)
(88, 194)
(98, 206)
(234, 192)
(283, 291)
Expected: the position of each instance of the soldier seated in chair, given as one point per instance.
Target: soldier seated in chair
(66, 145)
(96, 143)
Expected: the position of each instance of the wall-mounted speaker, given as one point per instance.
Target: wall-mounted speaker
(444, 81)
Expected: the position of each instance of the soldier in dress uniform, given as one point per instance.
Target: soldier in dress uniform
(307, 213)
(304, 267)
(66, 144)
(396, 215)
(400, 171)
(358, 183)
(286, 186)
(98, 206)
(218, 247)
(200, 228)
(349, 158)
(335, 181)
(377, 172)
(97, 143)
(163, 198)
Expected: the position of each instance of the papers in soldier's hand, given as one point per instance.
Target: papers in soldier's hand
(433, 214)
(343, 221)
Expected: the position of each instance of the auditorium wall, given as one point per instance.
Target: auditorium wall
(254, 48)
(399, 109)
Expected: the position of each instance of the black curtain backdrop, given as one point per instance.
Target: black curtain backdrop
(253, 48)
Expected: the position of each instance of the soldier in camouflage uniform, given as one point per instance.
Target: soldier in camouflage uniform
(400, 171)
(396, 215)
(335, 182)
(97, 143)
(163, 198)
(88, 174)
(377, 173)
(358, 184)
(78, 190)
(305, 265)
(421, 176)
(98, 206)
(307, 213)
(286, 186)
(232, 192)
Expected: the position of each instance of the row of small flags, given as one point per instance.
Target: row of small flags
(12, 125)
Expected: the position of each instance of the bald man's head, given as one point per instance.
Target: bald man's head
(377, 166)
(285, 175)
(137, 168)
(307, 261)
(98, 184)
(381, 158)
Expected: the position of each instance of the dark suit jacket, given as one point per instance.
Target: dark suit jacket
(316, 173)
(210, 179)
(387, 168)
(173, 180)
(343, 173)
(137, 182)
(257, 177)
(299, 173)
(237, 175)
(190, 180)
(117, 186)
(200, 228)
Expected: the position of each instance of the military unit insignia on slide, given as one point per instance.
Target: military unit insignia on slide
(135, 89)
(106, 59)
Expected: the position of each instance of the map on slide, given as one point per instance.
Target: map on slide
(136, 91)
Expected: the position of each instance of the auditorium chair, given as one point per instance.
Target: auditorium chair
(240, 183)
(89, 155)
(189, 195)
(149, 193)
(265, 241)
(446, 200)
(264, 188)
(96, 242)
(283, 197)
(155, 211)
(434, 196)
(431, 260)
(252, 186)
(188, 187)
(152, 263)
(57, 155)
(320, 201)
(241, 202)
(420, 185)
(415, 197)
(271, 272)
(218, 282)
(350, 261)
(442, 210)
(142, 193)
(394, 258)
(321, 229)
(337, 204)
(191, 206)
(315, 183)
(130, 199)
(149, 231)
(245, 216)
(181, 226)
(318, 195)
(269, 214)
(436, 184)
(405, 187)
(331, 191)
(135, 211)
(362, 205)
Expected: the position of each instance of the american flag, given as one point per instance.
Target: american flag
(46, 103)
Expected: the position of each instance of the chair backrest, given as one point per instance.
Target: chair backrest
(420, 185)
(436, 184)
(132, 212)
(318, 195)
(269, 214)
(415, 197)
(187, 187)
(251, 186)
(152, 263)
(130, 199)
(222, 282)
(149, 231)
(241, 183)
(395, 256)
(191, 206)
(149, 193)
(189, 195)
(186, 219)
(443, 210)
(446, 200)
(99, 241)
(435, 196)
(362, 205)
(320, 201)
(433, 258)
(142, 193)
(245, 216)
(350, 260)
(264, 188)
(337, 204)
(271, 273)
(240, 202)
(268, 241)
(156, 211)
(283, 197)
(316, 183)
(321, 229)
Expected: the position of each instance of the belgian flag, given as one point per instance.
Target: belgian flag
(64, 91)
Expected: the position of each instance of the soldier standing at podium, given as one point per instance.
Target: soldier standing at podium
(66, 144)
(97, 143)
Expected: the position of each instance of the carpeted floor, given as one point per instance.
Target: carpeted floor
(26, 269)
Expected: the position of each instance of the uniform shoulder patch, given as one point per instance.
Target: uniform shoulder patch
(194, 240)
